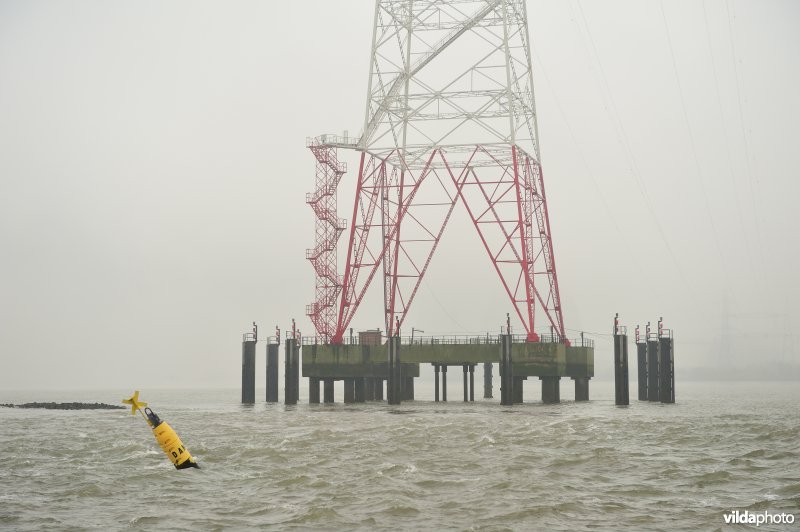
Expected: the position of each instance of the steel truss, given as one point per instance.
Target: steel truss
(450, 118)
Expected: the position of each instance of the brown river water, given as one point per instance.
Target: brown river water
(420, 465)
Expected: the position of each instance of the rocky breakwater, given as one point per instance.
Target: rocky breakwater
(67, 406)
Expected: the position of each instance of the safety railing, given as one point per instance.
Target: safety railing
(487, 339)
(328, 139)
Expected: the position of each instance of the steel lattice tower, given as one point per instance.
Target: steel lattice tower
(450, 117)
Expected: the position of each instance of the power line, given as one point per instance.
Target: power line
(693, 145)
(589, 168)
(455, 321)
(727, 142)
(632, 166)
(756, 223)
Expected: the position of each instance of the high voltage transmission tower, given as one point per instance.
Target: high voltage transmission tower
(449, 118)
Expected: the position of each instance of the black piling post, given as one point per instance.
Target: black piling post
(506, 374)
(436, 382)
(394, 382)
(444, 383)
(653, 378)
(287, 371)
(466, 385)
(472, 383)
(667, 369)
(621, 395)
(296, 370)
(249, 369)
(641, 361)
(272, 372)
(487, 380)
(291, 370)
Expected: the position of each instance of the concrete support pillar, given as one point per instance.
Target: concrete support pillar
(379, 389)
(472, 383)
(360, 389)
(272, 373)
(466, 385)
(369, 388)
(291, 372)
(506, 379)
(327, 393)
(551, 392)
(313, 390)
(581, 388)
(436, 383)
(394, 381)
(444, 383)
(621, 396)
(641, 360)
(249, 371)
(653, 378)
(666, 371)
(408, 388)
(517, 389)
(349, 391)
(296, 371)
(487, 380)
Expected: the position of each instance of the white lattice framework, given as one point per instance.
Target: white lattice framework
(450, 118)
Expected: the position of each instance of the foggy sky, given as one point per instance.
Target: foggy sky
(153, 172)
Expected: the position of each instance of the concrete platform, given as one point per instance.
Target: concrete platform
(529, 359)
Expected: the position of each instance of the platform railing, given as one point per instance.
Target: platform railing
(331, 139)
(487, 339)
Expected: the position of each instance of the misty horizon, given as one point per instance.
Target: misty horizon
(153, 173)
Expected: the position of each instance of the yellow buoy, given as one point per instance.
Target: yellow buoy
(166, 437)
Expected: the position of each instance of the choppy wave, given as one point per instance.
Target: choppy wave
(418, 465)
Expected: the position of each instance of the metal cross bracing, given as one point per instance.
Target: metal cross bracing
(450, 118)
